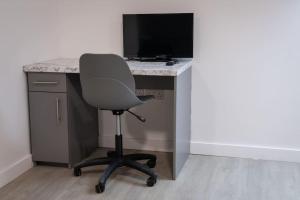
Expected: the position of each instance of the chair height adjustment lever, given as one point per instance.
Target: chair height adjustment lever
(142, 119)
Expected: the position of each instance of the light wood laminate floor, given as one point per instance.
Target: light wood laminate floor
(202, 178)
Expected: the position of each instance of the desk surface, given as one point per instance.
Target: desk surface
(71, 65)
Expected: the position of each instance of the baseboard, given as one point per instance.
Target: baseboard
(246, 151)
(134, 143)
(15, 170)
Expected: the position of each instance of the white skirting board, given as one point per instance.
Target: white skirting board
(134, 143)
(15, 170)
(208, 148)
(246, 151)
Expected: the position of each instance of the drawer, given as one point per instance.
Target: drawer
(47, 82)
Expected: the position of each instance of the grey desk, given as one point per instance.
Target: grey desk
(56, 82)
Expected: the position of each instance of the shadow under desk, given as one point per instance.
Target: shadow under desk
(64, 128)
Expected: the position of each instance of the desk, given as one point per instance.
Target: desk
(59, 78)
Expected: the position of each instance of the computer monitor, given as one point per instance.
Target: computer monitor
(158, 35)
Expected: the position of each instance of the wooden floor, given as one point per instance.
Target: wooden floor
(202, 178)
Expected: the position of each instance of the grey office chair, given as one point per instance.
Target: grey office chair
(108, 84)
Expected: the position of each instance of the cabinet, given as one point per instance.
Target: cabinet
(63, 127)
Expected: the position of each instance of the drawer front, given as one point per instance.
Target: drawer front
(47, 82)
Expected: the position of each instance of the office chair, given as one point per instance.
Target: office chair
(108, 84)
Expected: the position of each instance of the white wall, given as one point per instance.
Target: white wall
(246, 100)
(246, 94)
(28, 34)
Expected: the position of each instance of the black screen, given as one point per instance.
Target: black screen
(155, 35)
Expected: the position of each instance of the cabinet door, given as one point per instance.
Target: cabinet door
(48, 127)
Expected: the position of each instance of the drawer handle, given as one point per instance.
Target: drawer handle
(45, 82)
(58, 111)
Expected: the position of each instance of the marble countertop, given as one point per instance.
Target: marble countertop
(71, 65)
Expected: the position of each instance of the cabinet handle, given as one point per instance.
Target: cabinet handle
(58, 111)
(45, 82)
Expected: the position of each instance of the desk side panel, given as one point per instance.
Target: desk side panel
(83, 122)
(182, 120)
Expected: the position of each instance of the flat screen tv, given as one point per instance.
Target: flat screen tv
(161, 36)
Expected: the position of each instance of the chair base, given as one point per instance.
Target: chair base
(114, 161)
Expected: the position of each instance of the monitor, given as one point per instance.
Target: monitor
(158, 35)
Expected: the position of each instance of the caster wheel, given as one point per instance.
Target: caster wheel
(100, 188)
(151, 181)
(151, 163)
(111, 154)
(77, 172)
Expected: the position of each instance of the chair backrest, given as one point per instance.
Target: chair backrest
(107, 82)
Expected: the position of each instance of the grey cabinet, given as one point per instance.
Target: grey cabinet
(63, 128)
(49, 127)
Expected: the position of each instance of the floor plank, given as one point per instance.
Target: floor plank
(203, 177)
